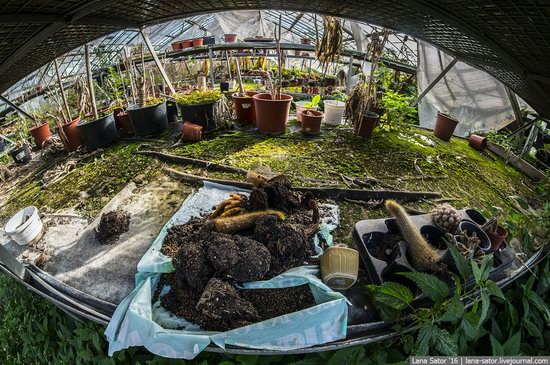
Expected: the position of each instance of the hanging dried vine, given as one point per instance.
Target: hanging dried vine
(330, 46)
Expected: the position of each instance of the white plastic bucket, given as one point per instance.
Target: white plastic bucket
(300, 106)
(334, 111)
(24, 226)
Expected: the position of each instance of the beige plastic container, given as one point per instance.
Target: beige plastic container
(339, 267)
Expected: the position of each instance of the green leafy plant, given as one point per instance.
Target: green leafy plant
(314, 101)
(448, 324)
(197, 97)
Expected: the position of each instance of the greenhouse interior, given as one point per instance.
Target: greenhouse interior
(252, 182)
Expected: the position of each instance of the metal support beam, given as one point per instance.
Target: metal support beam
(90, 79)
(211, 68)
(296, 20)
(18, 109)
(350, 72)
(12, 264)
(434, 82)
(515, 105)
(62, 90)
(151, 49)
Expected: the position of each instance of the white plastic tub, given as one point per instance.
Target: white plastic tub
(334, 111)
(24, 226)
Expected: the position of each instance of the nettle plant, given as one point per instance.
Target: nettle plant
(456, 318)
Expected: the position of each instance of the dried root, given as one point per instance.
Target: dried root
(243, 221)
(235, 205)
(468, 245)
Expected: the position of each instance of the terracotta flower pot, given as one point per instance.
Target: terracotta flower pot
(188, 43)
(244, 107)
(40, 134)
(300, 107)
(191, 132)
(477, 142)
(123, 121)
(497, 238)
(272, 115)
(230, 38)
(444, 126)
(311, 121)
(198, 42)
(71, 135)
(176, 46)
(366, 128)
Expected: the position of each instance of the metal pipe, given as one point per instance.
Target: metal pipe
(211, 68)
(151, 49)
(63, 96)
(90, 80)
(435, 81)
(18, 109)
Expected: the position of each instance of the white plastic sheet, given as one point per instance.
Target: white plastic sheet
(474, 97)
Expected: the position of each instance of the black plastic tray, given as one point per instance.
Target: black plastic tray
(370, 235)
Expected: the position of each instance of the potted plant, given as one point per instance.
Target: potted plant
(496, 233)
(176, 46)
(364, 96)
(69, 134)
(311, 121)
(209, 40)
(188, 43)
(445, 125)
(149, 118)
(244, 106)
(230, 38)
(98, 131)
(40, 132)
(21, 151)
(272, 112)
(171, 111)
(198, 42)
(198, 107)
(307, 105)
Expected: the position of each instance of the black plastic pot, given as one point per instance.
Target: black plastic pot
(201, 114)
(224, 86)
(148, 120)
(98, 133)
(21, 155)
(209, 40)
(172, 111)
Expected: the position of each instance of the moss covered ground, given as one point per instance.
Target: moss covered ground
(402, 159)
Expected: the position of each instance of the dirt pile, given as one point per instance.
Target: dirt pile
(210, 255)
(238, 257)
(221, 308)
(111, 226)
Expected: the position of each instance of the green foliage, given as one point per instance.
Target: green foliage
(398, 110)
(432, 287)
(198, 97)
(314, 101)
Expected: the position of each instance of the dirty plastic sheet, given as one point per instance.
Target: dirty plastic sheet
(200, 204)
(139, 322)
